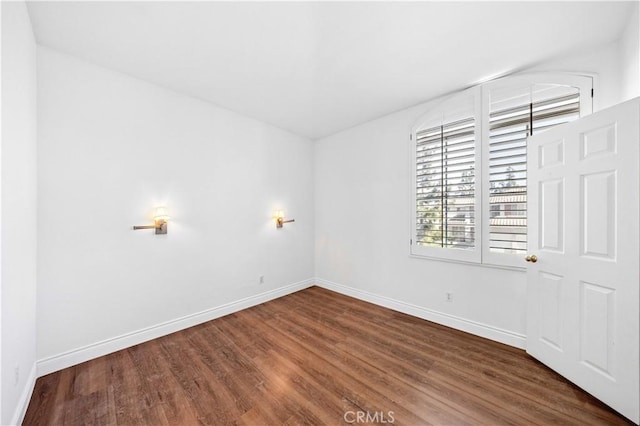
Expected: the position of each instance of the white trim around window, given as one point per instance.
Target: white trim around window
(454, 110)
(445, 225)
(515, 86)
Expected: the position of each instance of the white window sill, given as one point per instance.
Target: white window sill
(464, 262)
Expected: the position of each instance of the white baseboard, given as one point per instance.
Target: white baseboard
(95, 350)
(25, 397)
(483, 330)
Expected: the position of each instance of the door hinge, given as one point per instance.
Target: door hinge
(411, 242)
(411, 137)
(592, 92)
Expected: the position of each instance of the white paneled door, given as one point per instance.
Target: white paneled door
(583, 274)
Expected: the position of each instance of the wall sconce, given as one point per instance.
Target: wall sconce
(160, 216)
(278, 215)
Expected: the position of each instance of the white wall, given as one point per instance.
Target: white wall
(630, 53)
(18, 212)
(363, 229)
(110, 149)
(603, 62)
(363, 202)
(615, 65)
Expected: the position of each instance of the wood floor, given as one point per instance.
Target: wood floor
(314, 357)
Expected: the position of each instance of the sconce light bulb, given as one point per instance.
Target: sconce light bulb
(161, 213)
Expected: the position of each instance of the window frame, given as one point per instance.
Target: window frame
(477, 100)
(449, 110)
(580, 81)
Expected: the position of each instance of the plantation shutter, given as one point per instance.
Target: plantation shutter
(508, 131)
(445, 185)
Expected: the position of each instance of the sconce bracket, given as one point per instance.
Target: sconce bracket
(161, 227)
(280, 221)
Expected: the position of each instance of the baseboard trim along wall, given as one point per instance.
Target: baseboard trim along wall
(25, 397)
(483, 330)
(105, 347)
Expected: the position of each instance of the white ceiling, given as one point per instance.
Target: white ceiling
(316, 68)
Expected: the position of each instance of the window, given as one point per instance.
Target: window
(509, 127)
(470, 170)
(445, 185)
(446, 197)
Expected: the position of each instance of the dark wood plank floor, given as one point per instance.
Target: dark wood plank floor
(314, 357)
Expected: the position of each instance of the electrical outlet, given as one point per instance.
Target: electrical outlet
(449, 297)
(261, 280)
(16, 375)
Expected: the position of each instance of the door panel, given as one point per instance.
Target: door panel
(552, 215)
(600, 141)
(582, 306)
(551, 153)
(550, 310)
(598, 215)
(597, 327)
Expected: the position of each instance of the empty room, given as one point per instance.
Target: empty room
(322, 213)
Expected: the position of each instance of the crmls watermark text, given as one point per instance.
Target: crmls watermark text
(380, 417)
